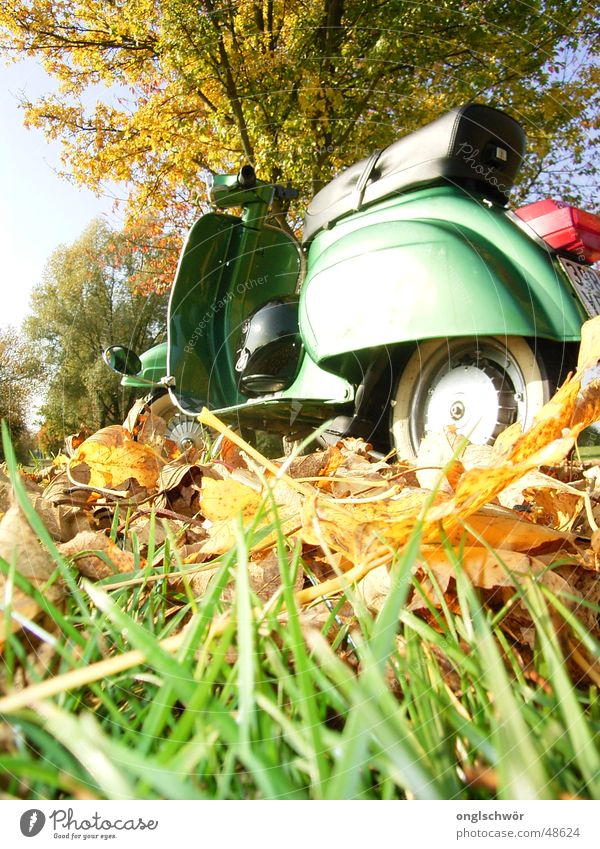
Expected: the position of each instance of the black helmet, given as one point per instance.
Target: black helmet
(268, 357)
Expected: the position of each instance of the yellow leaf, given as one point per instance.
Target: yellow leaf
(589, 349)
(113, 457)
(225, 499)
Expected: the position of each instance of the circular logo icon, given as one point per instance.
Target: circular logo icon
(32, 822)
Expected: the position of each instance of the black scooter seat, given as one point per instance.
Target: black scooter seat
(475, 146)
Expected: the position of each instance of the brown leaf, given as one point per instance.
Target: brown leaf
(335, 458)
(360, 530)
(90, 564)
(5, 492)
(554, 506)
(18, 541)
(63, 522)
(61, 490)
(73, 441)
(506, 529)
(375, 587)
(132, 423)
(200, 582)
(264, 576)
(20, 544)
(151, 430)
(173, 474)
(141, 528)
(191, 552)
(232, 455)
(485, 570)
(585, 585)
(311, 465)
(587, 407)
(479, 777)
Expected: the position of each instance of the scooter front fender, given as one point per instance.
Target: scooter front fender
(395, 281)
(154, 368)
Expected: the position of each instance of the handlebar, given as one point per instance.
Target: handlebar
(227, 190)
(246, 179)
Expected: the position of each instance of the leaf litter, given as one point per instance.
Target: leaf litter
(518, 511)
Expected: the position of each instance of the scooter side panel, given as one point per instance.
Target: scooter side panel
(314, 396)
(194, 301)
(436, 265)
(207, 306)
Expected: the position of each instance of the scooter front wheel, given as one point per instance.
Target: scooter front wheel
(478, 385)
(184, 431)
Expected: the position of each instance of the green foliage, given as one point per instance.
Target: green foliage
(19, 376)
(85, 303)
(300, 89)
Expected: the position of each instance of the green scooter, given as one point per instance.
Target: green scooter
(417, 300)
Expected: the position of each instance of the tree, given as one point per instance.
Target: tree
(19, 377)
(299, 88)
(85, 303)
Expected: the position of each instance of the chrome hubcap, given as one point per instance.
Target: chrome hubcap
(479, 392)
(184, 431)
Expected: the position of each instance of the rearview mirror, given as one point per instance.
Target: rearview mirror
(122, 360)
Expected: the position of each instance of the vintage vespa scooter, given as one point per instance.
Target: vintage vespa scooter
(416, 301)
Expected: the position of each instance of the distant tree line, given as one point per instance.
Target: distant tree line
(86, 301)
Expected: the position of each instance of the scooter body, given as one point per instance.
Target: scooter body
(229, 268)
(412, 244)
(435, 263)
(151, 370)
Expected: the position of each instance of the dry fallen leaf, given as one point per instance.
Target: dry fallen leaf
(231, 455)
(111, 457)
(355, 513)
(589, 347)
(439, 451)
(5, 492)
(506, 529)
(375, 587)
(19, 544)
(92, 565)
(554, 506)
(226, 499)
(264, 575)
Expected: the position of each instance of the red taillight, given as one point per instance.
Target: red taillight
(564, 227)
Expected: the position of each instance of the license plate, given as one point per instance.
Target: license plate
(586, 283)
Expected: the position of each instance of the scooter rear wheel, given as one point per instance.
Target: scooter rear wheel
(479, 385)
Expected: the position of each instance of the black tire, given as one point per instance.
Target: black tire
(479, 385)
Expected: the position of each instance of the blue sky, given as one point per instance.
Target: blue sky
(38, 209)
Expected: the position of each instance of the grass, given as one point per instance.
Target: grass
(260, 706)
